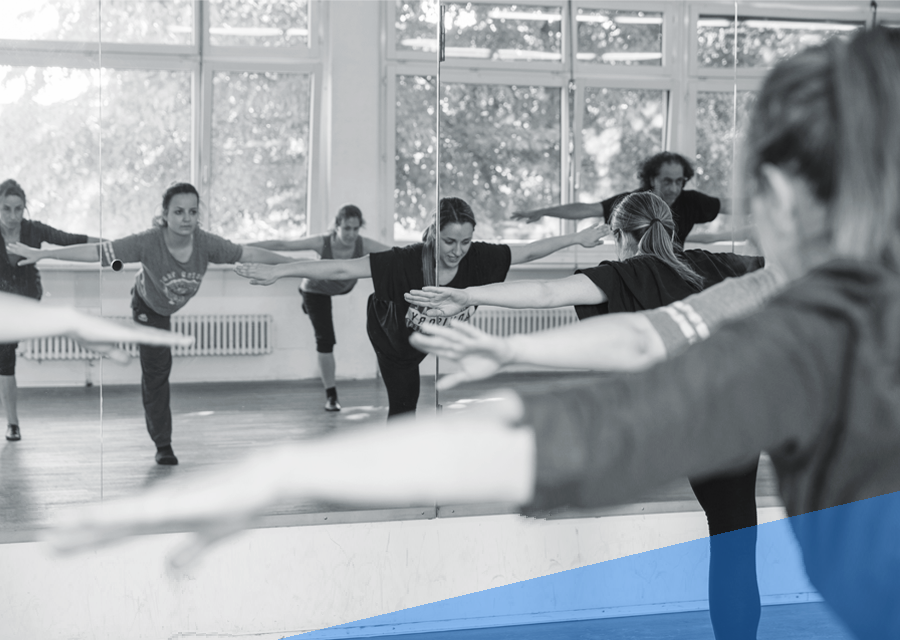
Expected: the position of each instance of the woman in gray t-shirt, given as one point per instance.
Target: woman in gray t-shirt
(174, 255)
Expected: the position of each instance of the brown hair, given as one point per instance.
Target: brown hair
(828, 116)
(452, 210)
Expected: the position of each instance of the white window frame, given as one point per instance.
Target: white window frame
(201, 59)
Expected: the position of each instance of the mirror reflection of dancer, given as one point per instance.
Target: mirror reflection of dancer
(26, 319)
(344, 242)
(650, 274)
(23, 280)
(665, 175)
(807, 378)
(174, 256)
(390, 318)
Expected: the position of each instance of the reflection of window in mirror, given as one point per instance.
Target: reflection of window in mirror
(102, 106)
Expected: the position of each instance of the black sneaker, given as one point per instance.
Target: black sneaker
(331, 404)
(13, 434)
(165, 455)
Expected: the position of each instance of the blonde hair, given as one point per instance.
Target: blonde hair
(647, 218)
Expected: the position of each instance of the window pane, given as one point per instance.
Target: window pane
(260, 147)
(503, 32)
(169, 22)
(622, 128)
(259, 23)
(500, 151)
(716, 136)
(619, 37)
(761, 42)
(51, 122)
(415, 25)
(146, 137)
(414, 183)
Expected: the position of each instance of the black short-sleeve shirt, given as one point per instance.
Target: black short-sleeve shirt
(690, 208)
(646, 282)
(399, 271)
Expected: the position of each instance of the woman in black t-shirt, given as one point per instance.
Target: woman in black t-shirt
(649, 275)
(390, 318)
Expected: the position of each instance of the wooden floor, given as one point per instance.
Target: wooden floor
(86, 444)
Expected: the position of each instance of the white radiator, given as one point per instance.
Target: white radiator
(214, 335)
(506, 322)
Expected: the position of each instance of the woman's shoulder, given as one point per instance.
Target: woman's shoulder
(153, 232)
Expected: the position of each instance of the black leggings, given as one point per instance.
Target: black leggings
(402, 384)
(318, 307)
(729, 501)
(8, 359)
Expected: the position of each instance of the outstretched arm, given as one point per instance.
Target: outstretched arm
(312, 243)
(264, 256)
(523, 294)
(476, 455)
(314, 269)
(24, 319)
(615, 342)
(574, 211)
(590, 237)
(74, 253)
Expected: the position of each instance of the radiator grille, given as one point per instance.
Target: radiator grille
(214, 335)
(506, 322)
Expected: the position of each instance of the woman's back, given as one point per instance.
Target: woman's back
(646, 282)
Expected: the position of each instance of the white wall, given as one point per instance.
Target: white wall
(271, 583)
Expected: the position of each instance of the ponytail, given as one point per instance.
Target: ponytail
(648, 219)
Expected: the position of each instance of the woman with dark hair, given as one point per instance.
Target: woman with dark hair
(651, 275)
(390, 318)
(21, 279)
(664, 174)
(343, 242)
(174, 256)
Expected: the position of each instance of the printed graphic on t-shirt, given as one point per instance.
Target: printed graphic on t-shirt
(180, 286)
(415, 318)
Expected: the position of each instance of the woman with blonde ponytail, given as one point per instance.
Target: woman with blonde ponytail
(650, 274)
(459, 261)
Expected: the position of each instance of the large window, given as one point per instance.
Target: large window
(549, 102)
(103, 104)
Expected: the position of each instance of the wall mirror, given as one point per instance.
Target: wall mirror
(280, 111)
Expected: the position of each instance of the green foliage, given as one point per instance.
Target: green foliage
(718, 130)
(622, 127)
(260, 154)
(760, 42)
(149, 21)
(415, 20)
(500, 151)
(479, 26)
(288, 16)
(414, 185)
(52, 135)
(603, 34)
